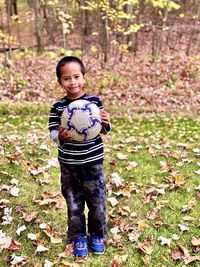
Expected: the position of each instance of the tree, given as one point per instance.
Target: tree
(11, 7)
(195, 30)
(49, 19)
(39, 26)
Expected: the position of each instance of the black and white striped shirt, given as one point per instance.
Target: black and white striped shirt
(73, 152)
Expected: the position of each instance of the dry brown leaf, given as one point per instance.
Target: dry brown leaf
(142, 225)
(146, 259)
(152, 214)
(195, 241)
(167, 167)
(176, 255)
(30, 216)
(118, 260)
(146, 246)
(14, 245)
(179, 180)
(191, 204)
(188, 218)
(158, 223)
(190, 259)
(184, 250)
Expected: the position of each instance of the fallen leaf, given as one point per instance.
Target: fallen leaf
(32, 236)
(21, 229)
(14, 245)
(146, 246)
(175, 237)
(14, 191)
(48, 263)
(183, 227)
(146, 259)
(152, 214)
(195, 241)
(160, 191)
(115, 230)
(133, 237)
(7, 218)
(167, 167)
(158, 224)
(115, 179)
(118, 260)
(190, 259)
(122, 156)
(198, 194)
(176, 255)
(184, 250)
(131, 165)
(191, 204)
(17, 260)
(113, 201)
(188, 218)
(41, 248)
(164, 241)
(30, 216)
(197, 172)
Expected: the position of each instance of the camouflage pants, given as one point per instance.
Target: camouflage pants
(82, 185)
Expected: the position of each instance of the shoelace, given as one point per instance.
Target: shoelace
(81, 243)
(96, 240)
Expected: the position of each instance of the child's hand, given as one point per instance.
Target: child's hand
(105, 117)
(63, 135)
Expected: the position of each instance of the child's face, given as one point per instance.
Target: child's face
(72, 80)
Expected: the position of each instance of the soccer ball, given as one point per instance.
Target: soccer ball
(82, 120)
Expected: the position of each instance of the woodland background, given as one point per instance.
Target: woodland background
(139, 52)
(143, 60)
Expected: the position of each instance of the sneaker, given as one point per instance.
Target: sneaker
(97, 244)
(80, 246)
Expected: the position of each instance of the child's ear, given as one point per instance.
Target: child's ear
(85, 78)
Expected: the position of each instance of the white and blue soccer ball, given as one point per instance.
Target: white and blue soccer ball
(82, 120)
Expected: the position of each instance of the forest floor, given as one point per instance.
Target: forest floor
(171, 83)
(151, 162)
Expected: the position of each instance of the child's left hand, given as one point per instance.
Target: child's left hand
(105, 117)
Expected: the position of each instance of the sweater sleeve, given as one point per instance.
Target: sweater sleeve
(54, 123)
(54, 119)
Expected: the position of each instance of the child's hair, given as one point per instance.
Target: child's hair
(66, 60)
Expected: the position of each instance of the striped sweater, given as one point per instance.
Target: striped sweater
(73, 152)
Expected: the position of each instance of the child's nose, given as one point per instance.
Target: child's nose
(73, 81)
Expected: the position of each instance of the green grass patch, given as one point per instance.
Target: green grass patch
(157, 159)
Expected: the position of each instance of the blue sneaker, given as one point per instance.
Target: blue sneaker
(80, 247)
(97, 244)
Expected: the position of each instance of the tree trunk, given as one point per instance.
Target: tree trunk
(104, 35)
(49, 20)
(86, 26)
(164, 25)
(39, 25)
(133, 37)
(11, 7)
(155, 35)
(195, 30)
(8, 14)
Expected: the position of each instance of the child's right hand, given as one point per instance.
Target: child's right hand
(63, 135)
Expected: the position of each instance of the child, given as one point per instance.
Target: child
(81, 163)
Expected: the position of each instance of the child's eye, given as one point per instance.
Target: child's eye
(77, 77)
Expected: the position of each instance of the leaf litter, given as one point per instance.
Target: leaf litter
(127, 225)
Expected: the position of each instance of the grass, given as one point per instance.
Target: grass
(145, 140)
